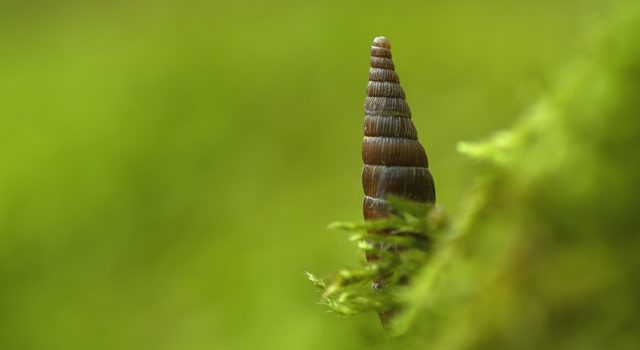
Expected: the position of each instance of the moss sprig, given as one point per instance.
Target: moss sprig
(402, 242)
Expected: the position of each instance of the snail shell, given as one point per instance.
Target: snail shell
(395, 163)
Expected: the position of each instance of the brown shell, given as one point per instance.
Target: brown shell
(386, 106)
(395, 163)
(376, 125)
(410, 182)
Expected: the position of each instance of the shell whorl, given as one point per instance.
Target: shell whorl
(395, 163)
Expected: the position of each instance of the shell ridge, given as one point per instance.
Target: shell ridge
(395, 162)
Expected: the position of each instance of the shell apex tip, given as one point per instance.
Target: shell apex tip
(381, 41)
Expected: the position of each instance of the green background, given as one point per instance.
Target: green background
(167, 170)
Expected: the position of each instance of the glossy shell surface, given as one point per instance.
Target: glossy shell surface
(395, 163)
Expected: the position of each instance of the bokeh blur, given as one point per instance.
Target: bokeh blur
(168, 169)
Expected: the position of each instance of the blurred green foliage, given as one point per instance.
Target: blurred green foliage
(167, 169)
(546, 256)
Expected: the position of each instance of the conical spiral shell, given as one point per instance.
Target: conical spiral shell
(395, 163)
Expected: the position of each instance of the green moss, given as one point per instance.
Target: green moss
(374, 287)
